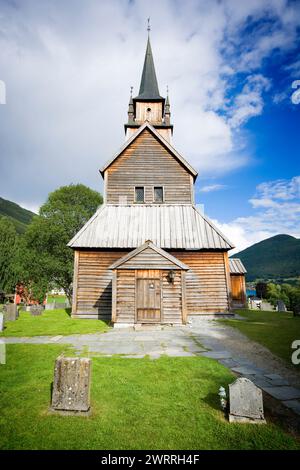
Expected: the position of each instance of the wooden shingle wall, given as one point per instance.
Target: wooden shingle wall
(207, 288)
(147, 163)
(206, 281)
(172, 298)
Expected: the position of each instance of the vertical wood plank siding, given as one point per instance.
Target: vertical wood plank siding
(125, 293)
(206, 283)
(172, 299)
(94, 283)
(238, 287)
(147, 163)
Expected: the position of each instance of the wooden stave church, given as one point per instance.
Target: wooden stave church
(148, 255)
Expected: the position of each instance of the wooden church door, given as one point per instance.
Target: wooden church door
(148, 296)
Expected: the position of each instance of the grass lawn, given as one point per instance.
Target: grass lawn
(274, 330)
(169, 403)
(52, 322)
(56, 298)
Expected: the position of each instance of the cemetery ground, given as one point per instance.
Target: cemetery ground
(274, 330)
(52, 322)
(167, 403)
(151, 401)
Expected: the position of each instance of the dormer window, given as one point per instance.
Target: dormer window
(158, 194)
(139, 194)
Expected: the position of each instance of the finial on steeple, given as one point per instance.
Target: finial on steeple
(131, 107)
(148, 27)
(167, 113)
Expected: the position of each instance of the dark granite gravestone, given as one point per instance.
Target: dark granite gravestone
(71, 386)
(245, 402)
(10, 312)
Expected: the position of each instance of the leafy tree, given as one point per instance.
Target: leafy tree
(46, 259)
(8, 247)
(261, 290)
(275, 293)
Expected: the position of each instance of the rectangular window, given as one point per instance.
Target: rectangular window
(158, 194)
(139, 194)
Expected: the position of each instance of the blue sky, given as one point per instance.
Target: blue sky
(232, 68)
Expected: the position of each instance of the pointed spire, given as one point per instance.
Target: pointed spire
(167, 109)
(149, 87)
(130, 108)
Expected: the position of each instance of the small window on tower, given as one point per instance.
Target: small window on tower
(158, 194)
(139, 194)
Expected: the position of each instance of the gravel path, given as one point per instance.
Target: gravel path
(217, 336)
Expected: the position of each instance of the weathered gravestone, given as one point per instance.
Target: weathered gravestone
(10, 312)
(1, 321)
(245, 402)
(36, 310)
(71, 386)
(281, 306)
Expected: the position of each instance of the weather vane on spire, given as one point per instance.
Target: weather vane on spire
(148, 27)
(131, 90)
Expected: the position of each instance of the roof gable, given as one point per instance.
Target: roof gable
(148, 256)
(159, 137)
(236, 266)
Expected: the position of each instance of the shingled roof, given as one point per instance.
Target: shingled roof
(236, 266)
(168, 226)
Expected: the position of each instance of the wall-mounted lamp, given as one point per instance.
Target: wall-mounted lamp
(171, 276)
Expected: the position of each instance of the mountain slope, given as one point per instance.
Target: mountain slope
(275, 257)
(19, 216)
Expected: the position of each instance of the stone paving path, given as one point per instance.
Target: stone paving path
(202, 338)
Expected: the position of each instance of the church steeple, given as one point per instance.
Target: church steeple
(149, 86)
(148, 105)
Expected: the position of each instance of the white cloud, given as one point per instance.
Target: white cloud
(212, 187)
(249, 102)
(278, 211)
(68, 71)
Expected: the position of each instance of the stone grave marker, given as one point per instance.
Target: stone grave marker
(71, 386)
(281, 306)
(36, 310)
(10, 312)
(245, 402)
(1, 321)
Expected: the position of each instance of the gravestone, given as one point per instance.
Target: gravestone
(245, 402)
(10, 312)
(281, 306)
(1, 321)
(36, 310)
(71, 386)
